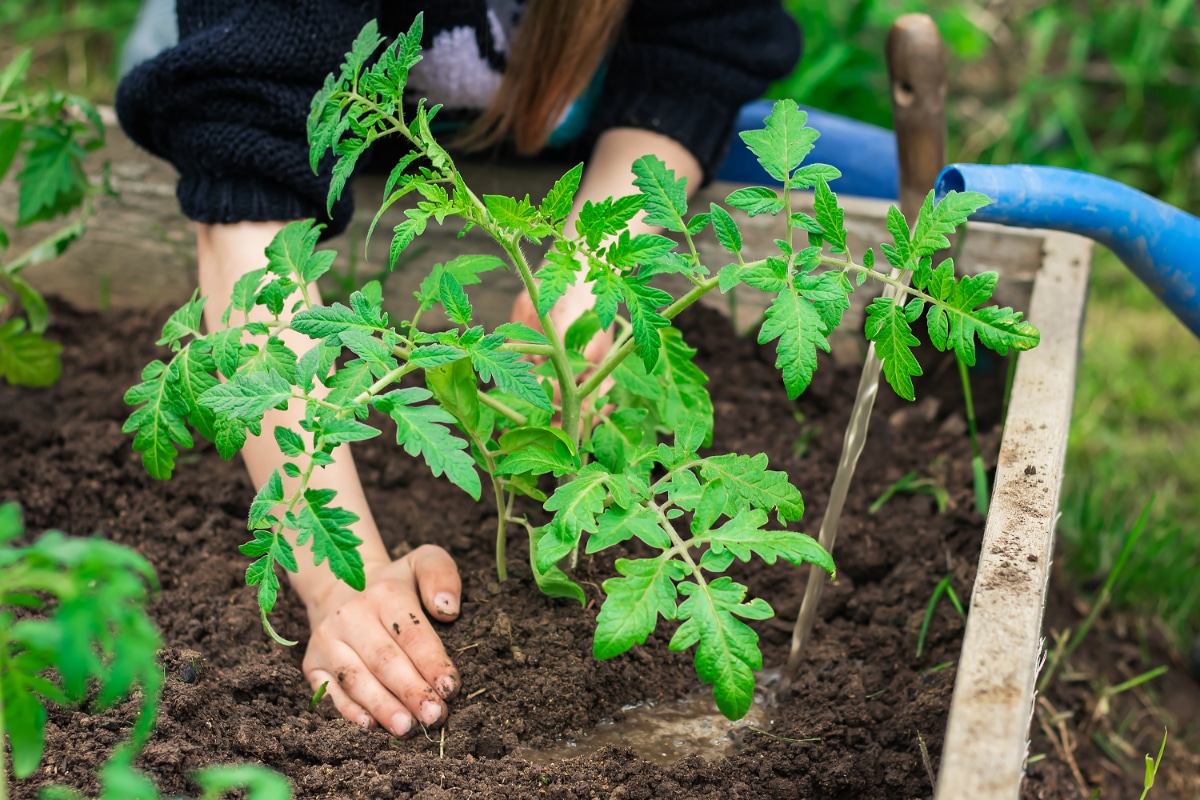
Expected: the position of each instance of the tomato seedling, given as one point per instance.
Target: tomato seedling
(485, 409)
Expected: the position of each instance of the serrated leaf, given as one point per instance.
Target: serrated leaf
(248, 397)
(888, 328)
(576, 505)
(609, 216)
(744, 536)
(618, 525)
(747, 480)
(806, 177)
(339, 431)
(560, 197)
(755, 200)
(830, 217)
(783, 142)
(328, 530)
(633, 605)
(726, 230)
(554, 277)
(269, 496)
(454, 300)
(290, 254)
(423, 431)
(630, 251)
(581, 331)
(183, 322)
(52, 180)
(643, 302)
(508, 370)
(727, 649)
(536, 461)
(798, 326)
(935, 223)
(664, 196)
(158, 424)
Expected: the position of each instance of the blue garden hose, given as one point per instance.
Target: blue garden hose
(1158, 242)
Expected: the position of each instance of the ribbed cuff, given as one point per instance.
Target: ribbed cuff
(227, 200)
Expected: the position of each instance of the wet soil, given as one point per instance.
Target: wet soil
(848, 729)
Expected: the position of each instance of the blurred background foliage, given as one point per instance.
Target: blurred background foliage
(1111, 88)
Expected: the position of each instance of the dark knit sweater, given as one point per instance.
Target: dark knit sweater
(227, 105)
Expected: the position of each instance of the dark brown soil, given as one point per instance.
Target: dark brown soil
(528, 673)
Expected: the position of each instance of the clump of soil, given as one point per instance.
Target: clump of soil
(528, 675)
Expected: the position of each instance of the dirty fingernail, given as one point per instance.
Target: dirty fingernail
(446, 603)
(431, 712)
(364, 720)
(401, 723)
(445, 686)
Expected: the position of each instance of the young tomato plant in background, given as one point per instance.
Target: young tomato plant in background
(486, 409)
(53, 132)
(91, 627)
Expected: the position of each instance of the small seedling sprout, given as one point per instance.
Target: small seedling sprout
(1152, 765)
(944, 586)
(485, 410)
(912, 483)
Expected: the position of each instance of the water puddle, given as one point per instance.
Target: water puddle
(666, 732)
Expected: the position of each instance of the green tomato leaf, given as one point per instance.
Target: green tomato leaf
(664, 196)
(727, 653)
(888, 327)
(633, 604)
(158, 423)
(328, 529)
(783, 142)
(560, 197)
(748, 481)
(424, 431)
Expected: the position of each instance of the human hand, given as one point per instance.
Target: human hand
(376, 649)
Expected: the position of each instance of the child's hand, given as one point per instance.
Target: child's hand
(376, 649)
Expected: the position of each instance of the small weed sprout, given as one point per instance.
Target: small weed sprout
(52, 132)
(485, 410)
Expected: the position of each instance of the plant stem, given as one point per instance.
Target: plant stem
(501, 531)
(558, 354)
(500, 408)
(617, 355)
(981, 487)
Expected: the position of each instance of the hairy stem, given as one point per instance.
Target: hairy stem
(516, 417)
(501, 529)
(558, 354)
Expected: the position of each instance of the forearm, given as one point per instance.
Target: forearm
(225, 253)
(609, 172)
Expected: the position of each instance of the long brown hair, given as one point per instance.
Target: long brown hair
(557, 49)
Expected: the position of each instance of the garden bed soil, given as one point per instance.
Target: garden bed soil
(862, 702)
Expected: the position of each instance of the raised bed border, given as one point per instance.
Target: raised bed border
(987, 737)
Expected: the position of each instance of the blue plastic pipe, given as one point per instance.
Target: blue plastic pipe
(865, 154)
(1158, 242)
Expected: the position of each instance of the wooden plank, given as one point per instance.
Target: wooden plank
(986, 741)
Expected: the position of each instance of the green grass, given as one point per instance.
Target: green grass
(1135, 432)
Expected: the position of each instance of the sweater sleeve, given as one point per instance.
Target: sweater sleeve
(683, 68)
(227, 105)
